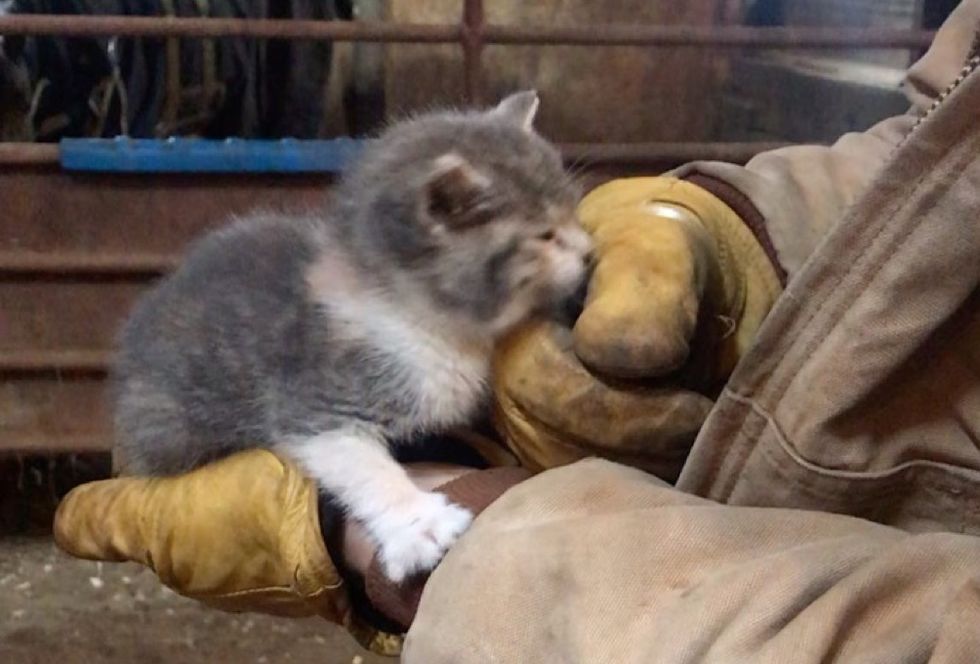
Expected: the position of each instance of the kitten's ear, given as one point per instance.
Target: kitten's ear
(519, 108)
(454, 193)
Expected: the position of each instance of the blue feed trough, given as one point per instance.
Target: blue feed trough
(196, 155)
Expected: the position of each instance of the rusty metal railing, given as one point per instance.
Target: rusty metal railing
(473, 26)
(41, 154)
(70, 422)
(473, 33)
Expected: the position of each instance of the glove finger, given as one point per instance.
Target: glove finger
(552, 411)
(643, 300)
(87, 522)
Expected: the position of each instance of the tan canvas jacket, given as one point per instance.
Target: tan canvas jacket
(862, 392)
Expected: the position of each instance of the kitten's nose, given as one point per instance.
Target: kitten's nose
(574, 238)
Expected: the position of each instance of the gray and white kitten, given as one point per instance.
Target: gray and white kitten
(328, 336)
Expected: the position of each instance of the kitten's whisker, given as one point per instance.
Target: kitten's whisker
(581, 164)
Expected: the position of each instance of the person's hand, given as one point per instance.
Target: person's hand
(679, 289)
(241, 534)
(247, 533)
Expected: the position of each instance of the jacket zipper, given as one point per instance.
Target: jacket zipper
(972, 64)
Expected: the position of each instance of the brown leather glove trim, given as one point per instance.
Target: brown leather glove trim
(475, 491)
(746, 211)
(473, 449)
(331, 526)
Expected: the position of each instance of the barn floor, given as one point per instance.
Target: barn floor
(55, 609)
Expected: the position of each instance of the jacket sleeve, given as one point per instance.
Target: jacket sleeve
(801, 191)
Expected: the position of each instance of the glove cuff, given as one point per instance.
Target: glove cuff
(746, 211)
(749, 282)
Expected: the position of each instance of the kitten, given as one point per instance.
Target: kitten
(328, 336)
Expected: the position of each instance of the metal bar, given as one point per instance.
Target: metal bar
(198, 155)
(472, 40)
(55, 361)
(593, 35)
(56, 443)
(28, 154)
(64, 264)
(659, 153)
(13, 154)
(714, 36)
(153, 26)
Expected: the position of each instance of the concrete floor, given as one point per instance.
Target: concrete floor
(58, 610)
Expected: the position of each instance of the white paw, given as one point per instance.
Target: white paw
(414, 537)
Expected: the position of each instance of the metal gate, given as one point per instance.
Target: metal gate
(76, 249)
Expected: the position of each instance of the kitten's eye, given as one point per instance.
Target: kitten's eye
(547, 236)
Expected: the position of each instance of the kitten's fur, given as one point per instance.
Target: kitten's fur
(329, 335)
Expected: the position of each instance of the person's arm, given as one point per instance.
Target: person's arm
(597, 562)
(801, 191)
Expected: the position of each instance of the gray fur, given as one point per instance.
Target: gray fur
(235, 349)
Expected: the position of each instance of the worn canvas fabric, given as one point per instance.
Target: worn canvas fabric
(600, 563)
(861, 394)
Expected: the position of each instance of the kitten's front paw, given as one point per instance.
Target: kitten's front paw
(415, 537)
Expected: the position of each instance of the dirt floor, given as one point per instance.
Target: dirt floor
(55, 609)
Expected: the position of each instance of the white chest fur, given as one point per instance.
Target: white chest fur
(445, 379)
(448, 380)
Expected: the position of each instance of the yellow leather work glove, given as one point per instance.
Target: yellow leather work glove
(241, 534)
(679, 289)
